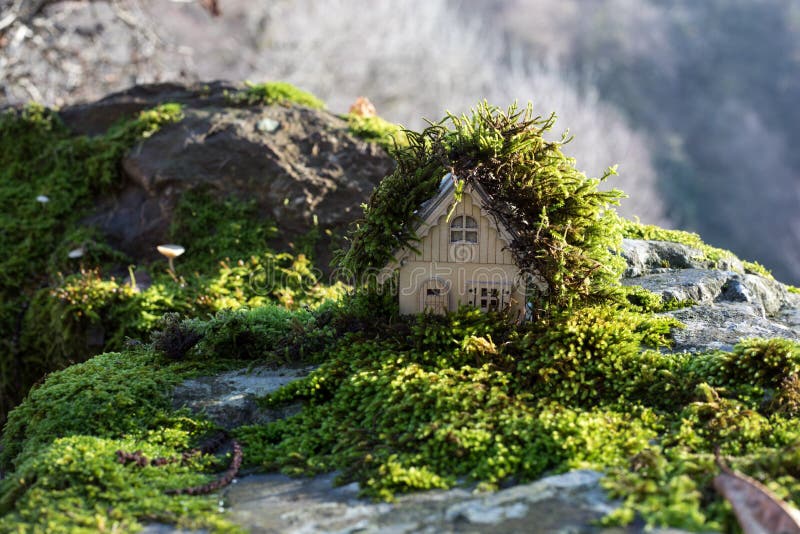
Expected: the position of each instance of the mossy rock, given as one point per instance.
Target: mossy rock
(119, 181)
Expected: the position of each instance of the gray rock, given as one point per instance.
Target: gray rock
(720, 326)
(709, 286)
(790, 316)
(647, 257)
(770, 294)
(229, 399)
(644, 257)
(701, 286)
(300, 166)
(730, 305)
(275, 503)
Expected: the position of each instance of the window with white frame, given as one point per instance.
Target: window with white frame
(463, 229)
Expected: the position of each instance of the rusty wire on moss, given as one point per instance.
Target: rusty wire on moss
(138, 459)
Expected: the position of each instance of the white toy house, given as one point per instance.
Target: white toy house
(462, 258)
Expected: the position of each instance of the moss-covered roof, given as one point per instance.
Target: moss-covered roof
(563, 233)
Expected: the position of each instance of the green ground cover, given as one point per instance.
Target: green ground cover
(397, 403)
(56, 310)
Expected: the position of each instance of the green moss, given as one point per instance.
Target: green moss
(61, 444)
(77, 318)
(108, 396)
(637, 230)
(432, 402)
(386, 134)
(88, 312)
(76, 484)
(469, 399)
(213, 229)
(38, 156)
(461, 396)
(270, 334)
(229, 264)
(93, 247)
(753, 267)
(793, 289)
(272, 93)
(641, 300)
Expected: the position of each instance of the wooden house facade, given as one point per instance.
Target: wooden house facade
(462, 258)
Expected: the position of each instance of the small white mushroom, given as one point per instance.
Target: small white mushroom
(76, 253)
(171, 252)
(42, 199)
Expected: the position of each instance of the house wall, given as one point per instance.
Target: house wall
(459, 278)
(461, 266)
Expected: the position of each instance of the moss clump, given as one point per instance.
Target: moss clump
(439, 401)
(60, 448)
(274, 93)
(78, 317)
(174, 338)
(563, 233)
(753, 267)
(641, 300)
(40, 159)
(107, 396)
(375, 129)
(637, 230)
(213, 229)
(85, 311)
(269, 334)
(76, 484)
(229, 263)
(462, 396)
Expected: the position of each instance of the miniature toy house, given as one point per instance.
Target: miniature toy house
(462, 258)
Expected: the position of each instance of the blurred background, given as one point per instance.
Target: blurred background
(697, 101)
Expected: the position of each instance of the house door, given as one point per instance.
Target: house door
(434, 297)
(488, 297)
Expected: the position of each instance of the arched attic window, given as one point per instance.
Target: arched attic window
(463, 229)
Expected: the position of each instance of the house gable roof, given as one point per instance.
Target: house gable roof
(431, 210)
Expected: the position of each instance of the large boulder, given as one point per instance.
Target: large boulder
(300, 166)
(730, 304)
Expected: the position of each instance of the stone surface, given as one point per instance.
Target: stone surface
(276, 504)
(731, 305)
(722, 325)
(298, 165)
(698, 285)
(229, 399)
(647, 257)
(279, 504)
(709, 286)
